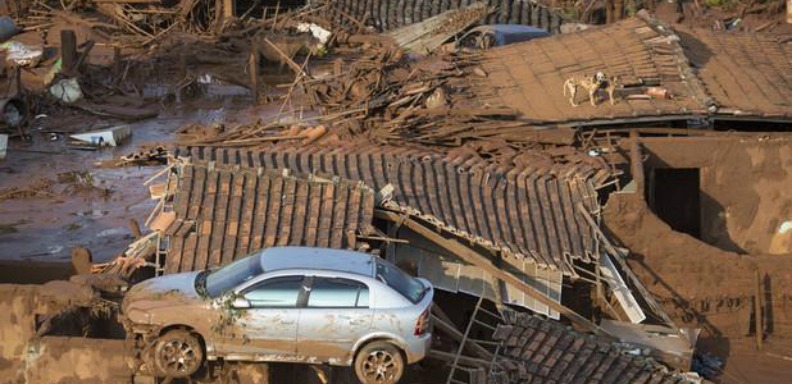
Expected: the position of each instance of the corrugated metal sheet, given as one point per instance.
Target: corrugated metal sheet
(523, 212)
(224, 213)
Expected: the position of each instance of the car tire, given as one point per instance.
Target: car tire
(178, 354)
(379, 362)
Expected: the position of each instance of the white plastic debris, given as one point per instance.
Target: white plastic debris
(22, 55)
(106, 137)
(66, 90)
(318, 32)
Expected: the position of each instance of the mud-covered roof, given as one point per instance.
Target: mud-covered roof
(707, 73)
(224, 213)
(529, 77)
(538, 350)
(746, 74)
(523, 211)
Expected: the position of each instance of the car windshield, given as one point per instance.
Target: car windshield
(409, 287)
(224, 279)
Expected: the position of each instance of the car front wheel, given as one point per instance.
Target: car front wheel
(178, 354)
(379, 363)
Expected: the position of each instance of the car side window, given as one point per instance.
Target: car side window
(278, 292)
(338, 293)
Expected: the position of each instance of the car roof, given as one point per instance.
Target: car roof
(280, 258)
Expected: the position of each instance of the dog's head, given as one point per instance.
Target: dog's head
(600, 77)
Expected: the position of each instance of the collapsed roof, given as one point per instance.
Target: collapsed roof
(541, 351)
(525, 212)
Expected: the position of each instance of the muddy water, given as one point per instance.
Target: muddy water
(45, 228)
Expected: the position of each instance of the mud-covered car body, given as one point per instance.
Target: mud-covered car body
(292, 304)
(496, 35)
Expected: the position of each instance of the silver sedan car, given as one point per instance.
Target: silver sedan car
(284, 304)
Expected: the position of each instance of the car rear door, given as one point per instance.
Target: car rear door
(269, 326)
(335, 316)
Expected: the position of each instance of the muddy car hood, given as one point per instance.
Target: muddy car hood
(165, 291)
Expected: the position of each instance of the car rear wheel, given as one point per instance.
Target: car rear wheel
(379, 363)
(178, 354)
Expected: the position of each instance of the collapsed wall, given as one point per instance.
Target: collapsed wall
(744, 194)
(743, 199)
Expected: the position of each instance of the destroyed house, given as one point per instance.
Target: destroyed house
(529, 217)
(664, 76)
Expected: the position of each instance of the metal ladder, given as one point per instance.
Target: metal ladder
(476, 375)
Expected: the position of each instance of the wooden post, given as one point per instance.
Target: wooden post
(68, 50)
(758, 318)
(229, 9)
(253, 71)
(118, 68)
(636, 163)
(789, 11)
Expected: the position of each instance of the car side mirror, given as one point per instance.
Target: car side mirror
(241, 302)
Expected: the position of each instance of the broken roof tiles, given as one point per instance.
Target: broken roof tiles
(537, 350)
(524, 212)
(226, 213)
(707, 73)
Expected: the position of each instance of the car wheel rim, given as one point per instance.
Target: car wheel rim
(178, 357)
(380, 367)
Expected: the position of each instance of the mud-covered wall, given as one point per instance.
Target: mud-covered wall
(25, 358)
(746, 189)
(700, 284)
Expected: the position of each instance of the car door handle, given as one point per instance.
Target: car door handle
(357, 321)
(286, 322)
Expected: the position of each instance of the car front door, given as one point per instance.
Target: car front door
(336, 315)
(268, 329)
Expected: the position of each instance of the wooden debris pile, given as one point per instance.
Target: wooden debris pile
(428, 35)
(388, 98)
(250, 135)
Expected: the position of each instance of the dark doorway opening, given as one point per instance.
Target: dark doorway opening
(676, 198)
